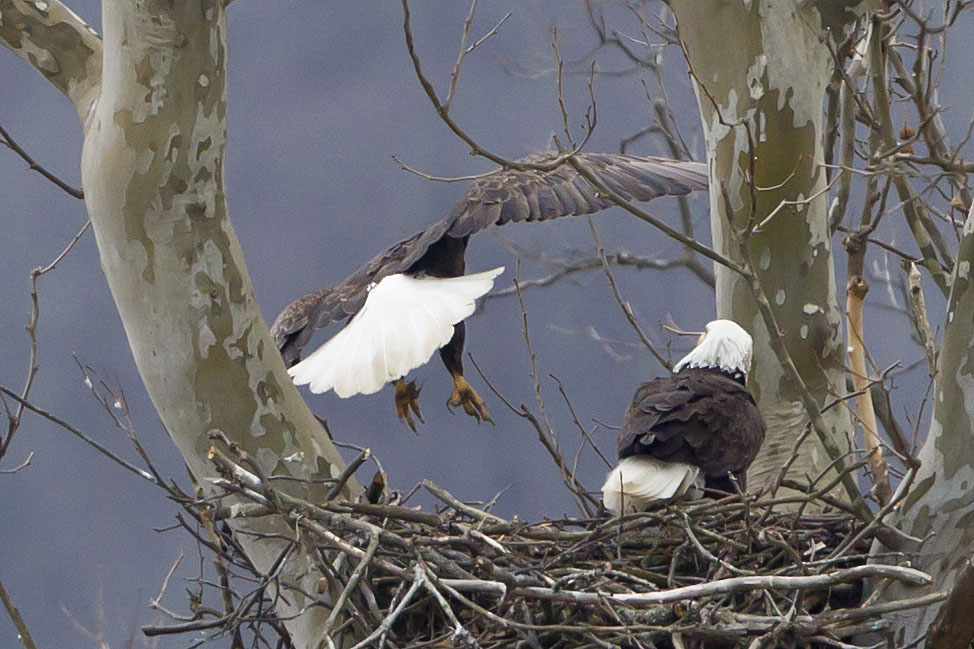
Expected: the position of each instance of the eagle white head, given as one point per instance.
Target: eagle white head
(724, 345)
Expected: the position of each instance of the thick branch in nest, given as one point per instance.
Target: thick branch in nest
(466, 575)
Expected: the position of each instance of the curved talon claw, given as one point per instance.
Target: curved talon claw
(464, 395)
(407, 404)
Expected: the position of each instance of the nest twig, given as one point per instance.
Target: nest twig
(721, 572)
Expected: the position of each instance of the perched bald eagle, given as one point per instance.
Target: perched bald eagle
(691, 430)
(411, 300)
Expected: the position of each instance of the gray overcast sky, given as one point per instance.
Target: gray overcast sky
(321, 96)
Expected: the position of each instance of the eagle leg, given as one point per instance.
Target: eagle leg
(407, 404)
(464, 395)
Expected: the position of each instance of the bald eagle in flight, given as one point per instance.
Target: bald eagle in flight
(691, 430)
(411, 300)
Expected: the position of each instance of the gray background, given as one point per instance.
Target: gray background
(321, 96)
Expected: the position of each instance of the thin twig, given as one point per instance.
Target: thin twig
(23, 632)
(443, 112)
(9, 142)
(623, 304)
(80, 435)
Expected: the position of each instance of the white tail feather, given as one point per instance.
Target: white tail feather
(640, 479)
(404, 320)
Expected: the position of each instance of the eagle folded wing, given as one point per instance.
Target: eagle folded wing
(705, 419)
(647, 423)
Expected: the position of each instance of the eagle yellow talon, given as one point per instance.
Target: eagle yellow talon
(407, 404)
(464, 395)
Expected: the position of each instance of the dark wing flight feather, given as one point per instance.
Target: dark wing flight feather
(703, 418)
(502, 197)
(511, 195)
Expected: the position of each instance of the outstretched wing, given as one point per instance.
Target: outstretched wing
(502, 197)
(511, 195)
(701, 418)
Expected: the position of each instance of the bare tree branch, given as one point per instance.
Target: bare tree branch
(53, 40)
(9, 142)
(23, 632)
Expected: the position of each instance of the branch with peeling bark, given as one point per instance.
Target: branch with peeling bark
(856, 289)
(953, 628)
(56, 43)
(182, 286)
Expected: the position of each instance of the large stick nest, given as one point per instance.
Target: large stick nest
(733, 571)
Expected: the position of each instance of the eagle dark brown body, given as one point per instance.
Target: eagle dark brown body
(695, 429)
(702, 417)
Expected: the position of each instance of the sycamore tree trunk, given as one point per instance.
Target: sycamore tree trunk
(940, 506)
(760, 70)
(153, 102)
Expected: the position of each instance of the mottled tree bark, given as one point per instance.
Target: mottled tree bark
(152, 169)
(941, 503)
(760, 81)
(53, 40)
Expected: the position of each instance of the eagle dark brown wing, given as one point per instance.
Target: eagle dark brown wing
(504, 196)
(701, 417)
(511, 195)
